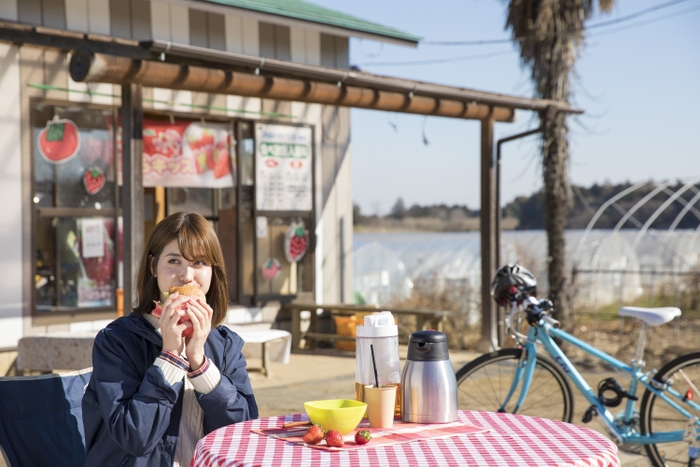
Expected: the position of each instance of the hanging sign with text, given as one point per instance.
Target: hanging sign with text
(283, 168)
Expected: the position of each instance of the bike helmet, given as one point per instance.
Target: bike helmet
(513, 283)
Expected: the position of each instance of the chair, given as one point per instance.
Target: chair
(41, 422)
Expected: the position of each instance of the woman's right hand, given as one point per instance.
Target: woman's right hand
(171, 331)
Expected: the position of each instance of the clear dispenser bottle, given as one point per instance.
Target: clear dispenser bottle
(381, 332)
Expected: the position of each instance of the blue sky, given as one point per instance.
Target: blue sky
(638, 83)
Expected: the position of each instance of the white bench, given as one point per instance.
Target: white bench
(275, 344)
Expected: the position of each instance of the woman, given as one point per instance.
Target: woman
(154, 392)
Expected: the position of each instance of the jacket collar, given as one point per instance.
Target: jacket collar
(139, 325)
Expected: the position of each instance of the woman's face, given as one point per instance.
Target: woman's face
(173, 270)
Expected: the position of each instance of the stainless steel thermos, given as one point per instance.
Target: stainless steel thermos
(428, 383)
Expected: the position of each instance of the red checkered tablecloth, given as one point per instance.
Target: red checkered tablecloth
(512, 440)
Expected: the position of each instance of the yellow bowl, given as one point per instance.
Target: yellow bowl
(342, 415)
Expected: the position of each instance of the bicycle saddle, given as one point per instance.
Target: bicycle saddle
(651, 316)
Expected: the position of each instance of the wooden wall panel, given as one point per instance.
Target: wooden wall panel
(120, 18)
(99, 16)
(233, 26)
(327, 43)
(31, 71)
(198, 28)
(8, 10)
(251, 37)
(140, 20)
(216, 29)
(331, 290)
(13, 223)
(342, 53)
(282, 43)
(56, 73)
(77, 15)
(160, 21)
(54, 13)
(29, 11)
(179, 24)
(343, 182)
(267, 40)
(313, 48)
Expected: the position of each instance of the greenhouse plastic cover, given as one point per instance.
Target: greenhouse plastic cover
(386, 265)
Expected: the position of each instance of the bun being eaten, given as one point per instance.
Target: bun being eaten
(188, 291)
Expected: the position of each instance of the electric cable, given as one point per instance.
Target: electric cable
(592, 26)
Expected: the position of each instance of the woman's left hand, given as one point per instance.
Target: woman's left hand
(200, 313)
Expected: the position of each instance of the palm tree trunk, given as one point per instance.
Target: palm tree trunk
(557, 200)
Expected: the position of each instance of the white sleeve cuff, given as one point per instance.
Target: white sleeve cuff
(205, 382)
(172, 373)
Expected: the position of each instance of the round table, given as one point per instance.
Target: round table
(512, 440)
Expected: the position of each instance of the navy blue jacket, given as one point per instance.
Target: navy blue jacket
(132, 414)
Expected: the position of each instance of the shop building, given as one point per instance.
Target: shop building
(259, 169)
(116, 113)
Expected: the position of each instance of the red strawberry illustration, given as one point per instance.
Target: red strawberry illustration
(59, 141)
(271, 269)
(296, 242)
(94, 180)
(223, 163)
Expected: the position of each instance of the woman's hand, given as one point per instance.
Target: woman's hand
(171, 331)
(200, 313)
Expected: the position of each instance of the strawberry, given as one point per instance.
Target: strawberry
(334, 439)
(94, 180)
(314, 435)
(223, 163)
(362, 437)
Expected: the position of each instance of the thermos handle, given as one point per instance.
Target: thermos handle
(425, 347)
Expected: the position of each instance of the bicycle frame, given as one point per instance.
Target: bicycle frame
(625, 432)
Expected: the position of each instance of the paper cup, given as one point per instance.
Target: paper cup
(380, 405)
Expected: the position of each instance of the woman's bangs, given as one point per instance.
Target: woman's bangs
(193, 248)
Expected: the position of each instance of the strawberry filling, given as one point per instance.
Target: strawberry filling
(158, 310)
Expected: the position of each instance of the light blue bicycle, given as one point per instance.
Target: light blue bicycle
(519, 380)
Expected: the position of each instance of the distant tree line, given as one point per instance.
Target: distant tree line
(529, 215)
(400, 212)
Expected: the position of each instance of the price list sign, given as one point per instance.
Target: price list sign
(283, 168)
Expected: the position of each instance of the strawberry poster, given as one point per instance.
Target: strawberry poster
(95, 247)
(283, 168)
(187, 154)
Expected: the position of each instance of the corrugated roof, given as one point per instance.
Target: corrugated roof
(305, 11)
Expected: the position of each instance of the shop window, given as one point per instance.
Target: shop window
(75, 205)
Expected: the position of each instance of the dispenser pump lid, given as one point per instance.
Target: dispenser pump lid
(427, 346)
(378, 325)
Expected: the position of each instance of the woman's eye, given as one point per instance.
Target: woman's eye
(173, 261)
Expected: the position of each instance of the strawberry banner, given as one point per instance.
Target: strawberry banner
(187, 154)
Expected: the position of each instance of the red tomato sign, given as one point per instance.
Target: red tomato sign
(59, 141)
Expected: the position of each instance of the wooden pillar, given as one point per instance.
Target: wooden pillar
(132, 188)
(488, 237)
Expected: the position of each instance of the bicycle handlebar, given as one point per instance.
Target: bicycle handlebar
(537, 310)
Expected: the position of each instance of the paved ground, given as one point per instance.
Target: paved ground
(330, 374)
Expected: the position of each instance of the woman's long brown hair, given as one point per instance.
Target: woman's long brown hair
(196, 241)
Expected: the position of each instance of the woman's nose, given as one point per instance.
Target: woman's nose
(187, 274)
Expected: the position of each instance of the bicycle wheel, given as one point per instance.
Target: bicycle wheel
(657, 416)
(484, 384)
